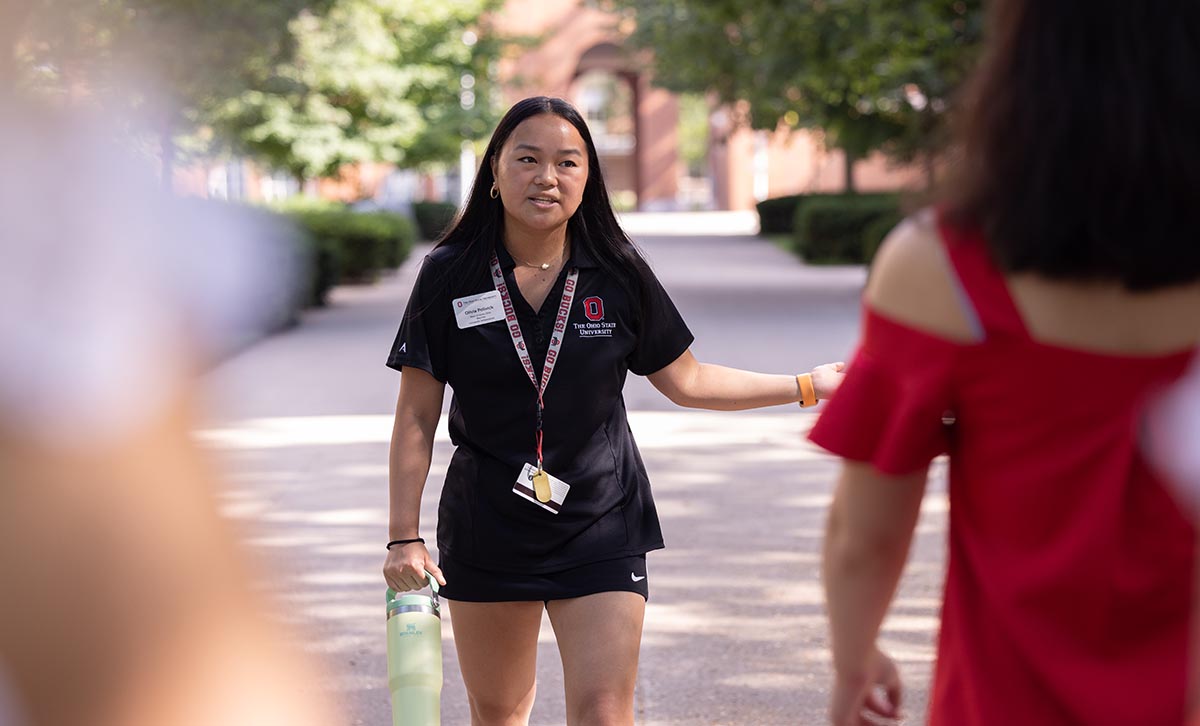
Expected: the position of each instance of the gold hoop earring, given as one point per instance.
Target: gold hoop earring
(494, 192)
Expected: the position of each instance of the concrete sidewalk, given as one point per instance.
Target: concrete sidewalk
(735, 632)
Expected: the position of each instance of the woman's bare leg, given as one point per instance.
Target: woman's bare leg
(599, 638)
(497, 653)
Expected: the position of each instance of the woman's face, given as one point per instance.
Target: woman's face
(541, 172)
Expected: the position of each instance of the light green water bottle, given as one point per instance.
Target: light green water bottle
(414, 637)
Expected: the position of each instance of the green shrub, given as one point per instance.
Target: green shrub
(775, 216)
(393, 233)
(324, 269)
(831, 229)
(349, 246)
(778, 214)
(324, 249)
(433, 218)
(363, 248)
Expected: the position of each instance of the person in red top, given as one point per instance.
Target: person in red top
(1023, 327)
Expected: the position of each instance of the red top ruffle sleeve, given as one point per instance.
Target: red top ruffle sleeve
(1068, 591)
(889, 409)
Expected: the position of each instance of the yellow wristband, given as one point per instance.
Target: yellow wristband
(808, 394)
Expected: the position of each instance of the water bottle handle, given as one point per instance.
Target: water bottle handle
(432, 583)
(433, 588)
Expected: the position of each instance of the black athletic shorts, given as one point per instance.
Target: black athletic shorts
(471, 584)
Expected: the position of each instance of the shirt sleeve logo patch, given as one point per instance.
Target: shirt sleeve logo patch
(593, 310)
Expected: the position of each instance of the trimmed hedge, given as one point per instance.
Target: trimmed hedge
(834, 229)
(394, 232)
(776, 216)
(433, 218)
(350, 247)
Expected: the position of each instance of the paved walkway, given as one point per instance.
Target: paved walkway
(734, 633)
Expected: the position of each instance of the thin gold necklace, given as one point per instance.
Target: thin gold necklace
(543, 266)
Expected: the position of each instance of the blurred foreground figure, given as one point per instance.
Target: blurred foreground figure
(125, 599)
(1043, 305)
(1175, 437)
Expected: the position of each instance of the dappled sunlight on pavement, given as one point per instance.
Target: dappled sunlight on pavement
(735, 629)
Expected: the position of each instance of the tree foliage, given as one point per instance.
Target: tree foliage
(370, 80)
(872, 73)
(301, 85)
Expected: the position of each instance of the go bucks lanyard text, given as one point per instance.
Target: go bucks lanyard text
(556, 338)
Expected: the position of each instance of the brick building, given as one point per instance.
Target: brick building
(580, 56)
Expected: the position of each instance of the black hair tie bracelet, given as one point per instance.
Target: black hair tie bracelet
(404, 541)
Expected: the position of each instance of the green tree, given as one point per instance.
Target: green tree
(370, 80)
(874, 74)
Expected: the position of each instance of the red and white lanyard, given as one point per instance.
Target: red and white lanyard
(556, 337)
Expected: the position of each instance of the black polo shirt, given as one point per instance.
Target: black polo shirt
(609, 512)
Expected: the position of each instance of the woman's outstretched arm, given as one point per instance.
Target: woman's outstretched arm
(692, 384)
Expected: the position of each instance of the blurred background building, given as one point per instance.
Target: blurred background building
(660, 150)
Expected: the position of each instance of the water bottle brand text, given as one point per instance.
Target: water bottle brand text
(410, 630)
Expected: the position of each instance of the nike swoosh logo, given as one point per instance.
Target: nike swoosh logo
(635, 578)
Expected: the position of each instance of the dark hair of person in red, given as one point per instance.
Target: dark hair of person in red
(1080, 141)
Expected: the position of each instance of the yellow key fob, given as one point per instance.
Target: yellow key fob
(541, 486)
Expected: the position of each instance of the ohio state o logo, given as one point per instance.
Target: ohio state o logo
(593, 308)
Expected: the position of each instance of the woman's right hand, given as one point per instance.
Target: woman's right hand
(875, 691)
(826, 378)
(406, 565)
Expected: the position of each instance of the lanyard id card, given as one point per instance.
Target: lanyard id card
(525, 488)
(540, 482)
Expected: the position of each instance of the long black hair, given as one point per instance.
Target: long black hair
(1081, 141)
(479, 228)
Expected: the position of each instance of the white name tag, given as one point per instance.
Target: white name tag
(524, 488)
(486, 307)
